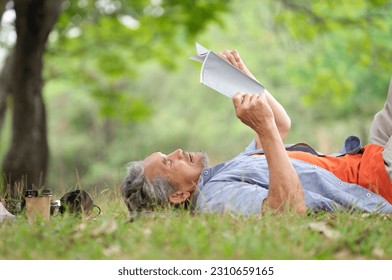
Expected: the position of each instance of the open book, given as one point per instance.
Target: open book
(220, 75)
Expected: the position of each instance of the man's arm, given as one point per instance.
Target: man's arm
(282, 120)
(285, 190)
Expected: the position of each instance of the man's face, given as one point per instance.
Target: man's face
(181, 169)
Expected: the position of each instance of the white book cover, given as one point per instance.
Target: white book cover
(220, 75)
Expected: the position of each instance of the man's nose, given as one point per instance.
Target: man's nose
(178, 153)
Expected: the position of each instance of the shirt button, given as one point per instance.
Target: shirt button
(368, 195)
(314, 166)
(340, 183)
(205, 172)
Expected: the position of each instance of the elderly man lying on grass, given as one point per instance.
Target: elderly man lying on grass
(268, 175)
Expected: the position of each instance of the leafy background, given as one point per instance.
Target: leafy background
(117, 89)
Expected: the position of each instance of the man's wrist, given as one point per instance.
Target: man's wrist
(267, 128)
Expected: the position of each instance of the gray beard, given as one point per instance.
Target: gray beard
(204, 160)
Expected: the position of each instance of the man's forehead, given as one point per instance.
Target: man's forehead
(153, 165)
(152, 158)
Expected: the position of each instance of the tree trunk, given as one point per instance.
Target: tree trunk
(25, 164)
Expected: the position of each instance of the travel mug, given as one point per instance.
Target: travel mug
(38, 205)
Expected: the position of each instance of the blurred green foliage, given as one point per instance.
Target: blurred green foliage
(351, 53)
(103, 43)
(117, 92)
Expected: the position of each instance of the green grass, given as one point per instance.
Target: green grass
(179, 235)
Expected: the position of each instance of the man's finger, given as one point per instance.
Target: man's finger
(238, 99)
(237, 57)
(230, 58)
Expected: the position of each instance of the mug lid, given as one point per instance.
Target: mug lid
(46, 192)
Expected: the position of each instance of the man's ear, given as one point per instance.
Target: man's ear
(179, 197)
